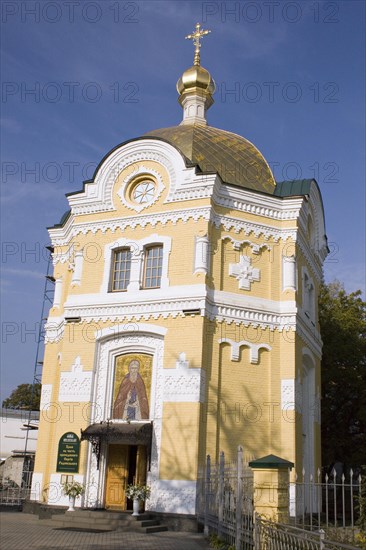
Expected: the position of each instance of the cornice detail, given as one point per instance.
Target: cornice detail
(206, 213)
(260, 205)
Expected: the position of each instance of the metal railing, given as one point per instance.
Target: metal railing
(275, 536)
(332, 503)
(224, 501)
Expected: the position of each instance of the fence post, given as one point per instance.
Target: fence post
(321, 539)
(271, 481)
(239, 498)
(221, 491)
(206, 492)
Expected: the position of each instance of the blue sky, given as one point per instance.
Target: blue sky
(290, 78)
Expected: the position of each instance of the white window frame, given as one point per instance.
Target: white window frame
(137, 248)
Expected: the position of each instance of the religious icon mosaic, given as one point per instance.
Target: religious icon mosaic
(131, 387)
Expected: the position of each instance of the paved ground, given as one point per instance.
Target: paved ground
(19, 531)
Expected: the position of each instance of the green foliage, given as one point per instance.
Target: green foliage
(73, 489)
(141, 492)
(361, 504)
(23, 397)
(342, 319)
(219, 544)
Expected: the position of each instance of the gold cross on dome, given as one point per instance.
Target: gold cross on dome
(196, 37)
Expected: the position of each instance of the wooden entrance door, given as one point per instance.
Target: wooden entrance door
(117, 477)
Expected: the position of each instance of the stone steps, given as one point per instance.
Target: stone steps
(89, 520)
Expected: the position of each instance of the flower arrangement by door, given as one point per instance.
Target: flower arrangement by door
(138, 494)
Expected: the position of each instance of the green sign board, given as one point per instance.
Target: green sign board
(68, 453)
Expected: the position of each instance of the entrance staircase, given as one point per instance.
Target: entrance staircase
(95, 521)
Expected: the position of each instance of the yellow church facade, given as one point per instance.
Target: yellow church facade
(184, 320)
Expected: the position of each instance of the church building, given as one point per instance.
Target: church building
(184, 320)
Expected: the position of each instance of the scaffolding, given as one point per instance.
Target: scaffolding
(33, 416)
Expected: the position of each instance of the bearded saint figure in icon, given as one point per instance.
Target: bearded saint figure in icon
(131, 402)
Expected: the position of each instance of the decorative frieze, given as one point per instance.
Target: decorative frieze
(254, 349)
(46, 394)
(288, 394)
(183, 384)
(172, 496)
(75, 385)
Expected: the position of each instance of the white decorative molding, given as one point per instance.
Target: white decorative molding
(62, 238)
(309, 334)
(288, 394)
(75, 385)
(254, 349)
(238, 225)
(111, 343)
(71, 230)
(46, 394)
(54, 328)
(140, 170)
(237, 244)
(222, 306)
(289, 273)
(258, 204)
(308, 296)
(244, 273)
(59, 256)
(202, 257)
(172, 496)
(97, 195)
(137, 248)
(58, 292)
(78, 268)
(183, 384)
(36, 489)
(298, 394)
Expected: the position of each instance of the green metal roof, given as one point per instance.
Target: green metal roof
(293, 188)
(271, 461)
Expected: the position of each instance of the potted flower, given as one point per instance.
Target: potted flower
(137, 493)
(73, 490)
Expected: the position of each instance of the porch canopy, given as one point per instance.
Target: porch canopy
(123, 432)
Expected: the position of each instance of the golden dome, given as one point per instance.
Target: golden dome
(196, 77)
(235, 159)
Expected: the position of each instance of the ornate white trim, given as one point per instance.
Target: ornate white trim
(244, 200)
(46, 394)
(289, 273)
(136, 339)
(97, 195)
(62, 238)
(172, 496)
(244, 273)
(201, 256)
(288, 394)
(75, 385)
(254, 349)
(54, 328)
(256, 248)
(137, 252)
(126, 182)
(183, 384)
(238, 225)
